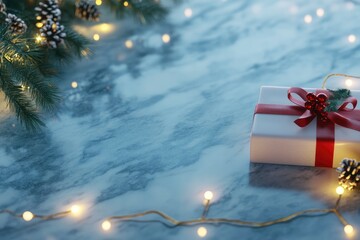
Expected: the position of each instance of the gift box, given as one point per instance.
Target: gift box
(290, 126)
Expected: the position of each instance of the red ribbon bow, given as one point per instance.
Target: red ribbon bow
(309, 106)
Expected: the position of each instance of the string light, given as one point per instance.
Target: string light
(75, 210)
(27, 216)
(129, 44)
(96, 37)
(106, 225)
(74, 84)
(349, 230)
(320, 12)
(308, 19)
(340, 190)
(208, 195)
(188, 12)
(98, 2)
(351, 38)
(126, 4)
(202, 232)
(348, 82)
(166, 38)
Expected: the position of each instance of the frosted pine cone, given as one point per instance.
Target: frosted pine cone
(48, 9)
(16, 25)
(87, 11)
(52, 33)
(349, 173)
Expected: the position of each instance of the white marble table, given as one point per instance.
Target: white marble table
(154, 126)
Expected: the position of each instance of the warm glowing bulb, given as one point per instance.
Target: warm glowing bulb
(208, 195)
(308, 19)
(348, 82)
(126, 4)
(28, 216)
(96, 37)
(129, 44)
(39, 25)
(98, 2)
(75, 210)
(188, 12)
(351, 38)
(340, 190)
(166, 38)
(38, 39)
(202, 232)
(106, 225)
(320, 12)
(74, 84)
(349, 230)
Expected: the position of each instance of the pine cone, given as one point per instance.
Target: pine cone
(87, 11)
(16, 25)
(52, 33)
(349, 173)
(49, 9)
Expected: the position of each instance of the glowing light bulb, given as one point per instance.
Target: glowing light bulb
(340, 190)
(308, 19)
(348, 82)
(166, 38)
(208, 195)
(28, 216)
(126, 4)
(349, 230)
(38, 39)
(98, 2)
(96, 37)
(75, 210)
(351, 38)
(106, 225)
(202, 232)
(320, 12)
(188, 12)
(74, 85)
(39, 25)
(129, 44)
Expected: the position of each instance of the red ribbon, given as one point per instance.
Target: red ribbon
(345, 116)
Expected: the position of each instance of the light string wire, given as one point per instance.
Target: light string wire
(238, 222)
(336, 75)
(172, 222)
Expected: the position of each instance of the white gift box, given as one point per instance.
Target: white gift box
(277, 139)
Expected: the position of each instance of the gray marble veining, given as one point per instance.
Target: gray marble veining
(154, 126)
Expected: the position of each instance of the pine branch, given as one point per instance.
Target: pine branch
(18, 102)
(146, 11)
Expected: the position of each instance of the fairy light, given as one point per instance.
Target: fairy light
(75, 210)
(38, 39)
(98, 2)
(351, 38)
(348, 82)
(320, 12)
(27, 216)
(202, 232)
(208, 195)
(74, 84)
(126, 3)
(129, 44)
(106, 225)
(39, 24)
(166, 38)
(96, 37)
(340, 190)
(188, 12)
(349, 230)
(307, 19)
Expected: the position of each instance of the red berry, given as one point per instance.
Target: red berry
(311, 97)
(321, 97)
(309, 105)
(320, 107)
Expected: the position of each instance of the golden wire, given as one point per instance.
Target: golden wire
(336, 75)
(203, 218)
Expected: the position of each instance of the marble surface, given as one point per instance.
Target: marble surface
(154, 126)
